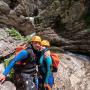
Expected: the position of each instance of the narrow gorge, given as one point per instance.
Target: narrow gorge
(65, 23)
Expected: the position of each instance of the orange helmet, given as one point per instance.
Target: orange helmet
(45, 43)
(36, 39)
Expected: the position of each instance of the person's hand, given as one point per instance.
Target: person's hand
(47, 53)
(2, 77)
(47, 86)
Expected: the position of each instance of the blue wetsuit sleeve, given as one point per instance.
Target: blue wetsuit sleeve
(22, 55)
(48, 64)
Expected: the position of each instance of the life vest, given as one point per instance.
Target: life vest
(27, 65)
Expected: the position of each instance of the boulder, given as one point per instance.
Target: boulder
(4, 8)
(7, 85)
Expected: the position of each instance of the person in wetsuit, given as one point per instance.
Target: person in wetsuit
(27, 69)
(46, 79)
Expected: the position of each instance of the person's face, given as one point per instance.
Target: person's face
(36, 45)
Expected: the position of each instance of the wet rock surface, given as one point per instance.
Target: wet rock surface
(7, 85)
(73, 73)
(7, 43)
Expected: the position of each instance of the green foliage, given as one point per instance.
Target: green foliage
(15, 34)
(87, 19)
(88, 30)
(28, 37)
(56, 4)
(38, 20)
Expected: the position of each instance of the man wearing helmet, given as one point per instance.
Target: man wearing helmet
(27, 68)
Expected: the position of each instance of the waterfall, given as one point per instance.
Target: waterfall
(31, 19)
